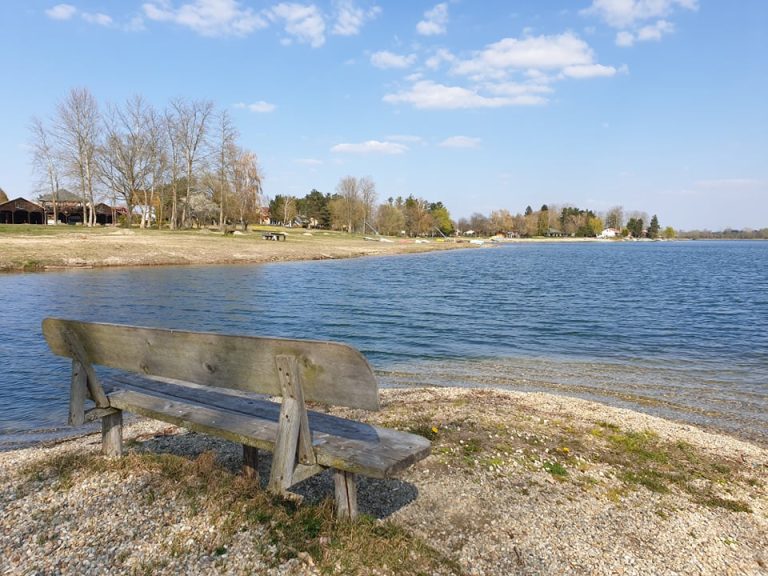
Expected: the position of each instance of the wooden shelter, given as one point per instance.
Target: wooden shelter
(21, 211)
(70, 209)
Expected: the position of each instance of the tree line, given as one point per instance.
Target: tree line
(727, 234)
(352, 207)
(552, 220)
(181, 165)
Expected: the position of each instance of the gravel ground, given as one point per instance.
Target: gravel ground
(490, 498)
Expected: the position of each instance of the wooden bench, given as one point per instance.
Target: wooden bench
(220, 384)
(273, 236)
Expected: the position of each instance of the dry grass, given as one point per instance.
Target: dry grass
(234, 504)
(31, 248)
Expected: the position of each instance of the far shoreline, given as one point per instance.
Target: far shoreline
(59, 248)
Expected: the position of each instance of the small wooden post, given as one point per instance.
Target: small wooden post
(112, 435)
(251, 463)
(346, 494)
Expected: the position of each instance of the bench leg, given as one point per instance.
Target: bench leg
(346, 494)
(251, 463)
(112, 435)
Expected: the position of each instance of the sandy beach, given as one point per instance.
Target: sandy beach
(516, 484)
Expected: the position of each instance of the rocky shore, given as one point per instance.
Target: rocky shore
(517, 483)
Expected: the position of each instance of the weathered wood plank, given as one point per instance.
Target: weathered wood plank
(96, 413)
(345, 485)
(293, 446)
(337, 442)
(251, 462)
(284, 458)
(291, 386)
(112, 435)
(78, 352)
(239, 402)
(332, 373)
(77, 394)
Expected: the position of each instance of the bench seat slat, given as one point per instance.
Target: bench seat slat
(337, 442)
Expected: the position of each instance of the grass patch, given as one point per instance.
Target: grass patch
(643, 459)
(555, 468)
(233, 504)
(726, 503)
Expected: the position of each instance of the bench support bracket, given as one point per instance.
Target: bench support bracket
(85, 382)
(294, 458)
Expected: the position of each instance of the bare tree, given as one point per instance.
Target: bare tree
(246, 186)
(174, 162)
(226, 153)
(159, 156)
(348, 190)
(44, 162)
(614, 218)
(190, 130)
(126, 161)
(367, 191)
(77, 130)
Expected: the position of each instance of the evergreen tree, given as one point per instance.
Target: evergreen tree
(653, 228)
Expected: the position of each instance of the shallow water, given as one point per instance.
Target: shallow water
(675, 329)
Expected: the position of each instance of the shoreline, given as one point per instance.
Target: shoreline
(517, 483)
(39, 249)
(66, 248)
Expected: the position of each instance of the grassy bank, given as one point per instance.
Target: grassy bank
(37, 248)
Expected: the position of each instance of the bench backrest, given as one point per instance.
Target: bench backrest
(331, 373)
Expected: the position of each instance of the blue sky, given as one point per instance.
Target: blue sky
(655, 105)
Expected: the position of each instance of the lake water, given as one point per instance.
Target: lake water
(677, 329)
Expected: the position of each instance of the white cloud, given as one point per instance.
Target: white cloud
(207, 17)
(589, 71)
(652, 32)
(655, 31)
(435, 21)
(631, 17)
(629, 13)
(304, 22)
(97, 18)
(135, 24)
(260, 106)
(386, 59)
(61, 12)
(460, 142)
(437, 59)
(536, 52)
(371, 147)
(350, 18)
(625, 39)
(517, 89)
(426, 94)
